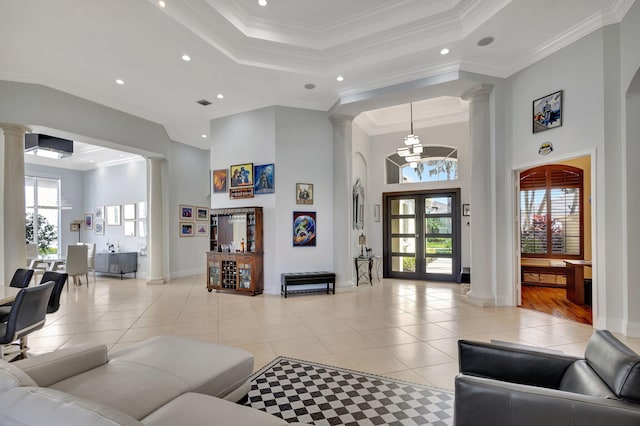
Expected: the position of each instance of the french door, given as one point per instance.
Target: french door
(422, 235)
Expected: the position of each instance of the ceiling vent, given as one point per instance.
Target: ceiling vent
(47, 146)
(204, 102)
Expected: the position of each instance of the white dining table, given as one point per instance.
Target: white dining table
(8, 294)
(52, 262)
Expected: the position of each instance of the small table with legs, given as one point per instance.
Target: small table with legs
(363, 268)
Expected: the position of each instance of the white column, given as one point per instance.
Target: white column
(483, 251)
(14, 244)
(342, 208)
(154, 221)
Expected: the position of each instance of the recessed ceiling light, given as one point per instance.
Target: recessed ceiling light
(120, 81)
(186, 57)
(339, 78)
(121, 155)
(262, 2)
(309, 86)
(203, 136)
(444, 51)
(92, 161)
(485, 41)
(162, 4)
(220, 96)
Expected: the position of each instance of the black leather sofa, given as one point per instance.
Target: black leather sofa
(511, 385)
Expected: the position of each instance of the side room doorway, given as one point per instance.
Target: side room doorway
(421, 235)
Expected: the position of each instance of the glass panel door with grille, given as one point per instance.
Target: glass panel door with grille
(422, 236)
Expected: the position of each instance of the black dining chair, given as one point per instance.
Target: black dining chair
(21, 278)
(59, 279)
(28, 314)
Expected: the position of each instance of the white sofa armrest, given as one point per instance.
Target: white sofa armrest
(59, 365)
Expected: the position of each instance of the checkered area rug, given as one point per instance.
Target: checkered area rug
(307, 392)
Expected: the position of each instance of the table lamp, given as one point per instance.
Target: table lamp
(362, 241)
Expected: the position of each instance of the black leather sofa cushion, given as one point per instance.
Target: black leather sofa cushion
(580, 378)
(616, 364)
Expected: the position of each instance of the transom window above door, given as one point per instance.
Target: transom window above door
(437, 164)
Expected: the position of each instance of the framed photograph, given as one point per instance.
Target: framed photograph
(376, 213)
(99, 228)
(304, 193)
(129, 228)
(142, 209)
(304, 229)
(202, 214)
(129, 211)
(142, 229)
(466, 210)
(99, 213)
(241, 175)
(186, 229)
(202, 229)
(219, 180)
(74, 226)
(547, 112)
(88, 221)
(186, 212)
(113, 215)
(265, 179)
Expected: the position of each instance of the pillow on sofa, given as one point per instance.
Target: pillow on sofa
(11, 376)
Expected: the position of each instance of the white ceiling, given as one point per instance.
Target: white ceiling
(260, 56)
(85, 157)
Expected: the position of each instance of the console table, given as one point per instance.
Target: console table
(363, 265)
(117, 263)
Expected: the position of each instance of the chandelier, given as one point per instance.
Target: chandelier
(412, 151)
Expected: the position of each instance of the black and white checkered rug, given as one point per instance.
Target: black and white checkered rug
(307, 392)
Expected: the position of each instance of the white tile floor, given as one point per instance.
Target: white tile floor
(397, 328)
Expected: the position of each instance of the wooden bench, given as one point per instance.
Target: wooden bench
(304, 278)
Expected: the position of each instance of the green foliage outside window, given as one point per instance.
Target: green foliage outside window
(46, 234)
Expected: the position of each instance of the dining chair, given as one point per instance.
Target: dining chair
(91, 258)
(21, 278)
(59, 280)
(38, 266)
(77, 263)
(28, 314)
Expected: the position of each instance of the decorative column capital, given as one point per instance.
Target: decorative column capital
(478, 94)
(14, 129)
(341, 120)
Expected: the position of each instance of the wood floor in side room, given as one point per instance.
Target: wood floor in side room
(554, 301)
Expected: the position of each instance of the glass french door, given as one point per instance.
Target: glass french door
(422, 235)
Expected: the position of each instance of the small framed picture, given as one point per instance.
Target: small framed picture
(202, 214)
(241, 175)
(304, 193)
(186, 212)
(219, 180)
(142, 229)
(264, 179)
(202, 229)
(113, 215)
(142, 209)
(547, 112)
(99, 228)
(129, 228)
(129, 211)
(304, 229)
(466, 210)
(376, 213)
(186, 229)
(99, 213)
(88, 221)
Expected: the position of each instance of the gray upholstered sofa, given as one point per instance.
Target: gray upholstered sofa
(510, 385)
(166, 380)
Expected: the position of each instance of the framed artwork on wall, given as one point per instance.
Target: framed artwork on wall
(186, 212)
(547, 112)
(99, 228)
(219, 180)
(113, 215)
(241, 175)
(265, 179)
(466, 210)
(186, 229)
(129, 211)
(202, 229)
(304, 229)
(129, 228)
(142, 229)
(88, 221)
(304, 193)
(202, 214)
(99, 213)
(142, 209)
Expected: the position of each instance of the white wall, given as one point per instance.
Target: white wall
(299, 143)
(456, 135)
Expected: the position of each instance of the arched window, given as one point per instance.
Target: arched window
(438, 163)
(551, 217)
